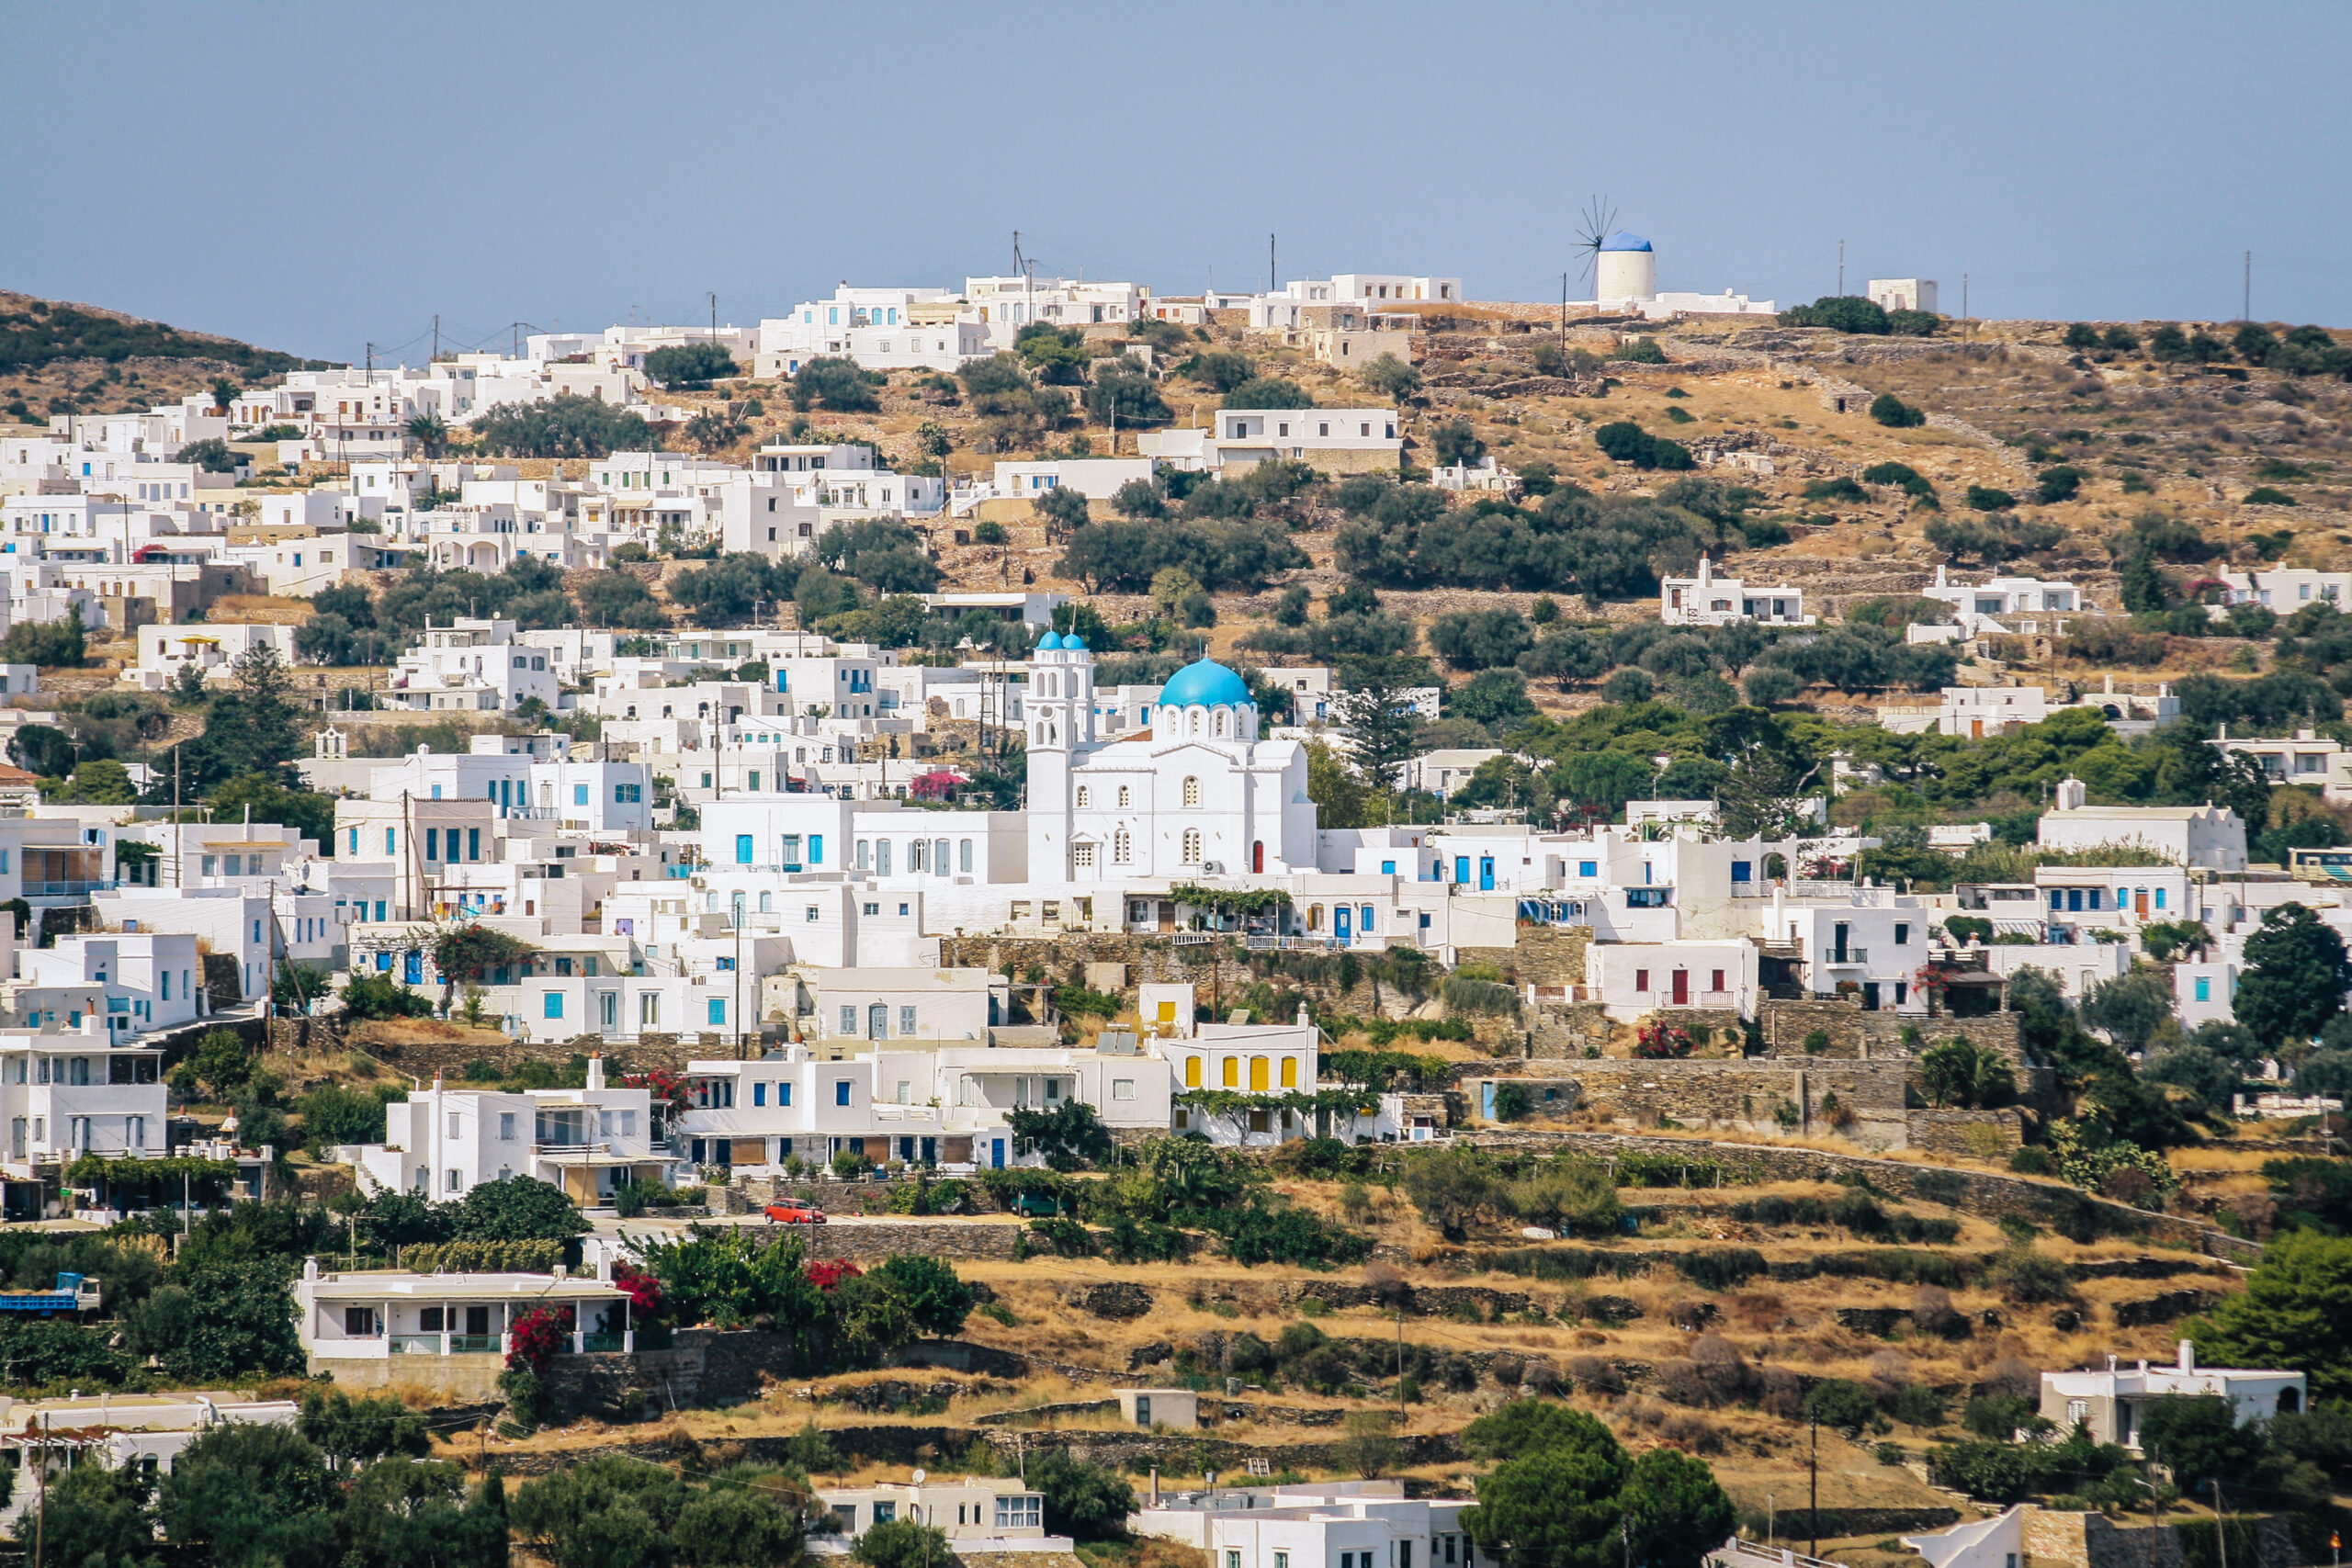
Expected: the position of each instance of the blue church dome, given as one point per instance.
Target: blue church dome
(1049, 642)
(1073, 643)
(1205, 684)
(1625, 240)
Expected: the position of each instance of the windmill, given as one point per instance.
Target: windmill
(1599, 219)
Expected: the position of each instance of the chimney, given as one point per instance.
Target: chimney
(596, 1070)
(2188, 1357)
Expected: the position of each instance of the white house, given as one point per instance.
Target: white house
(213, 649)
(1346, 1524)
(471, 665)
(2308, 758)
(1707, 600)
(2107, 1400)
(2209, 837)
(1334, 440)
(443, 1142)
(138, 1432)
(976, 1515)
(2026, 604)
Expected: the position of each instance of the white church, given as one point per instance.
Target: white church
(1197, 794)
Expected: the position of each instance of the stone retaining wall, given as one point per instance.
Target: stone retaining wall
(1987, 1194)
(1856, 1034)
(1949, 1132)
(1180, 1453)
(1745, 1093)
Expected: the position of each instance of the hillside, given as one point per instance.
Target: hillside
(58, 357)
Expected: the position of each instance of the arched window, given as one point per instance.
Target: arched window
(1191, 793)
(1258, 855)
(1220, 722)
(1192, 846)
(1232, 1072)
(1120, 847)
(1085, 797)
(1124, 798)
(1196, 721)
(1052, 684)
(1192, 1072)
(1290, 1072)
(1258, 1078)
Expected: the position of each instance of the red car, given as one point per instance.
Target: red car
(794, 1212)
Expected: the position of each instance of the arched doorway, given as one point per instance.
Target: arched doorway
(1257, 854)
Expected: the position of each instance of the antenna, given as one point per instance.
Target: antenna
(1841, 269)
(1599, 216)
(2245, 302)
(1270, 264)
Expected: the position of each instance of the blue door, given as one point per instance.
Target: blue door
(1485, 874)
(1486, 1101)
(413, 969)
(1462, 868)
(1343, 926)
(996, 1153)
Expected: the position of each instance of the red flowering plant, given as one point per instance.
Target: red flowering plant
(940, 783)
(666, 1088)
(534, 1338)
(1660, 1041)
(825, 1276)
(644, 1292)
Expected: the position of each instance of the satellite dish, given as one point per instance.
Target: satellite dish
(919, 1476)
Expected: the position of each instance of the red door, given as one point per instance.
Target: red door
(1681, 987)
(1258, 855)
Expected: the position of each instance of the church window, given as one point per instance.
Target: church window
(1196, 721)
(1120, 847)
(1191, 793)
(1192, 846)
(1085, 797)
(1125, 798)
(1082, 857)
(1220, 722)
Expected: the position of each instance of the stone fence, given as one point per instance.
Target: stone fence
(1987, 1194)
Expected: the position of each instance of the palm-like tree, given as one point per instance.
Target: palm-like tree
(429, 432)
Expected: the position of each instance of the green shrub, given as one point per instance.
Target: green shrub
(1724, 1269)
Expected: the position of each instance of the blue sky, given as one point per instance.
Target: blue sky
(314, 176)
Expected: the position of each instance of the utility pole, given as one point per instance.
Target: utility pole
(1813, 1485)
(713, 318)
(437, 338)
(1964, 300)
(1563, 310)
(2221, 1527)
(1270, 264)
(1401, 1417)
(1842, 268)
(2246, 299)
(41, 1522)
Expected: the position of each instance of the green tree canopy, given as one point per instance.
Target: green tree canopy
(521, 1209)
(689, 365)
(2295, 1313)
(2296, 976)
(255, 1497)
